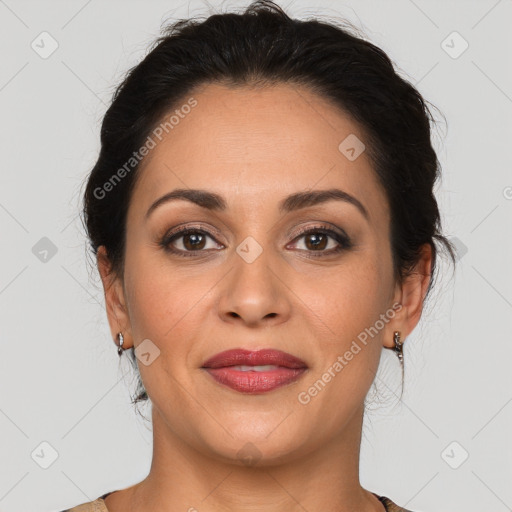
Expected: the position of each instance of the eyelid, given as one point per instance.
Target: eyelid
(184, 228)
(327, 227)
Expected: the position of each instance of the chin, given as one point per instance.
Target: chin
(261, 448)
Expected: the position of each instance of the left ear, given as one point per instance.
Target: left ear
(411, 295)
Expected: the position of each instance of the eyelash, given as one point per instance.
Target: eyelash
(343, 241)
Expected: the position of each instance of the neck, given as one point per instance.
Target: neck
(182, 478)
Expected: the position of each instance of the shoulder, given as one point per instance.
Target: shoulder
(97, 505)
(391, 506)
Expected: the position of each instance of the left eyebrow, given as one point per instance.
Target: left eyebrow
(314, 197)
(293, 202)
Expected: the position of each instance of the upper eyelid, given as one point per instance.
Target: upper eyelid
(207, 231)
(217, 232)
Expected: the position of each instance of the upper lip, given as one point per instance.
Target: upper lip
(241, 356)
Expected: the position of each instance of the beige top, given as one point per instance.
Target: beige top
(98, 505)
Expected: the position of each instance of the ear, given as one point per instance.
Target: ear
(410, 294)
(115, 303)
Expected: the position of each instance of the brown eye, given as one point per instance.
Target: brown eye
(193, 241)
(188, 241)
(316, 241)
(321, 241)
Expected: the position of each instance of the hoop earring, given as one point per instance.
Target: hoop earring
(399, 346)
(120, 348)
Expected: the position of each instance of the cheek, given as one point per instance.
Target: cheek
(157, 296)
(164, 310)
(347, 355)
(161, 305)
(343, 300)
(169, 308)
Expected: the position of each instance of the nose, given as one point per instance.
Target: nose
(254, 293)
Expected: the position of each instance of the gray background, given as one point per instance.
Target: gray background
(60, 377)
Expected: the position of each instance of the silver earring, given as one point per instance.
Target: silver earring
(398, 346)
(120, 348)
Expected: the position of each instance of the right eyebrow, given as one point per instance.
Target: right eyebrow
(203, 198)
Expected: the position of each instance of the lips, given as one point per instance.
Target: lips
(254, 372)
(239, 357)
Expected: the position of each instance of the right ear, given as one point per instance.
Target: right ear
(115, 302)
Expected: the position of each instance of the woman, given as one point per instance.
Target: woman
(264, 223)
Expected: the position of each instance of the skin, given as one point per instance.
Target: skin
(254, 147)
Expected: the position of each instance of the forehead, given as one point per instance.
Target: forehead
(254, 145)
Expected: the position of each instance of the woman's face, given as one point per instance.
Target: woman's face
(247, 278)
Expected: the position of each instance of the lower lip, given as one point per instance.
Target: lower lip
(255, 382)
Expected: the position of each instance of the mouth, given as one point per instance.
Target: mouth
(254, 372)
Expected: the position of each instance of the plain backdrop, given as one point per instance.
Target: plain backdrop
(64, 401)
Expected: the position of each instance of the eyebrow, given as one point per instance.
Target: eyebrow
(293, 202)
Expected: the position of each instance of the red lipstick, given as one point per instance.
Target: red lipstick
(253, 372)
